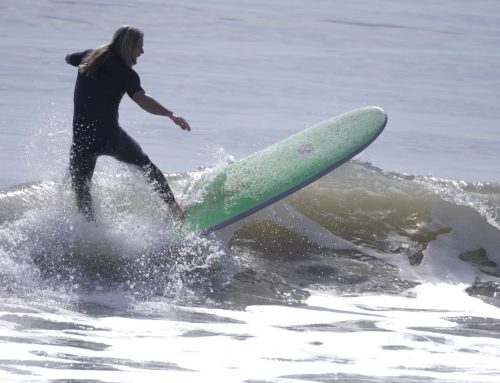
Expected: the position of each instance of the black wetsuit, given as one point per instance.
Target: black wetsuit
(96, 130)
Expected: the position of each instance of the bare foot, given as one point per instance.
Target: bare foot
(88, 213)
(176, 210)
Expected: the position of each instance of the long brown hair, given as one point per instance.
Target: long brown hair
(124, 40)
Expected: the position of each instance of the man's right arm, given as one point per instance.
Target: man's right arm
(71, 59)
(76, 58)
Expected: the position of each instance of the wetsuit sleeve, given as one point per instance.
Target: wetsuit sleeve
(133, 83)
(76, 58)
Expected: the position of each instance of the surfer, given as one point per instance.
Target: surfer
(105, 74)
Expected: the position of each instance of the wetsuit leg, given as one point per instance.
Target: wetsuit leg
(81, 167)
(129, 151)
(156, 178)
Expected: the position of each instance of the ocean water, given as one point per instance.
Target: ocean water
(385, 270)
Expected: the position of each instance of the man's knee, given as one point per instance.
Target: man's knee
(144, 162)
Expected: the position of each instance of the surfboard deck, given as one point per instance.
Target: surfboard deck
(259, 180)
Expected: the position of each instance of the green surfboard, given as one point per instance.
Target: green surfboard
(257, 181)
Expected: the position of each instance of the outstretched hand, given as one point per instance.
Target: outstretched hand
(181, 122)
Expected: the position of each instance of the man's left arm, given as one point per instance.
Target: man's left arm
(152, 106)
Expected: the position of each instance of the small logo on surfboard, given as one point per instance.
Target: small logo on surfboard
(305, 150)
